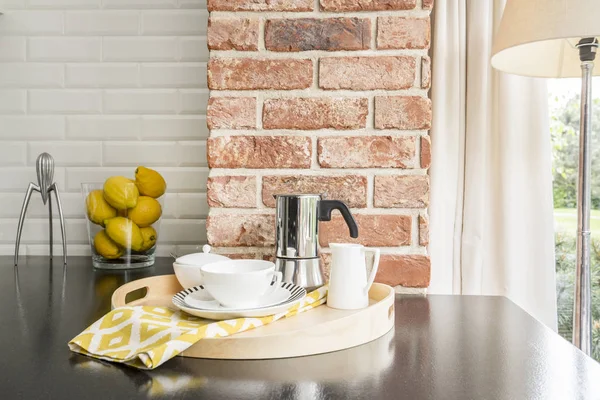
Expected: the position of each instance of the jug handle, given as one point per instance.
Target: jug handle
(373, 269)
(327, 206)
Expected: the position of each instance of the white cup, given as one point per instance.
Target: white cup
(240, 283)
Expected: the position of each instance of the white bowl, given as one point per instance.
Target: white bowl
(189, 275)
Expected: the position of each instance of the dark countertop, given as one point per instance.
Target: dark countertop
(443, 347)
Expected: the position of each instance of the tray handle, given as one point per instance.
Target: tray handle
(120, 295)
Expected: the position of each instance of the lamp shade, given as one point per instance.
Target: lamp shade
(538, 37)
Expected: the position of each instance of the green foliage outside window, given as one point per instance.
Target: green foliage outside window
(564, 130)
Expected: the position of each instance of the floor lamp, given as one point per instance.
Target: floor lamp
(557, 39)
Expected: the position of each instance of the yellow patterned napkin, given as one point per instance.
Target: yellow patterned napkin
(145, 337)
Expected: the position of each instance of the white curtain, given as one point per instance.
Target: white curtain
(492, 230)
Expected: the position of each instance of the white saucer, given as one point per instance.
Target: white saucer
(204, 301)
(198, 302)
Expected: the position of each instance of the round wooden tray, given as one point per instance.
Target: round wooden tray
(317, 331)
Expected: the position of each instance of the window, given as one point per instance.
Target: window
(564, 101)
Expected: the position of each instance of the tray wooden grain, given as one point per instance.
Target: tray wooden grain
(317, 331)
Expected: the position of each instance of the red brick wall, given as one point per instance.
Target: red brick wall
(326, 96)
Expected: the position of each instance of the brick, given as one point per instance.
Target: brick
(140, 49)
(231, 113)
(367, 5)
(425, 152)
(64, 49)
(32, 127)
(103, 127)
(315, 113)
(102, 22)
(68, 153)
(367, 73)
(325, 265)
(173, 75)
(64, 3)
(366, 152)
(179, 179)
(191, 154)
(182, 231)
(194, 49)
(139, 3)
(184, 127)
(402, 112)
(234, 230)
(174, 22)
(232, 191)
(13, 154)
(65, 101)
(13, 101)
(117, 154)
(427, 4)
(141, 101)
(31, 75)
(329, 34)
(425, 73)
(189, 205)
(423, 230)
(193, 101)
(259, 152)
(16, 179)
(373, 230)
(403, 33)
(260, 5)
(233, 34)
(13, 48)
(351, 189)
(409, 191)
(253, 74)
(101, 75)
(404, 270)
(235, 256)
(32, 22)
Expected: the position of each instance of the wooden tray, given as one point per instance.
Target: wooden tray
(317, 331)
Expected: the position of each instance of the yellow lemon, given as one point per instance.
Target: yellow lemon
(149, 182)
(98, 209)
(149, 235)
(124, 232)
(146, 212)
(106, 247)
(120, 192)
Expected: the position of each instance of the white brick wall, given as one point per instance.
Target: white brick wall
(103, 86)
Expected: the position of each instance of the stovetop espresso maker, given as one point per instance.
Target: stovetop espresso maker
(297, 236)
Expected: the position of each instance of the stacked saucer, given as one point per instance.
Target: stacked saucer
(199, 302)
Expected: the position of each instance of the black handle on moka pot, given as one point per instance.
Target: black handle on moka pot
(327, 206)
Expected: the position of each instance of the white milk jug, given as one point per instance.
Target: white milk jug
(348, 283)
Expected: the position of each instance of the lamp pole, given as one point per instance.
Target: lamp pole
(582, 316)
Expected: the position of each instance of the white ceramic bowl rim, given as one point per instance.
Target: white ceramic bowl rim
(238, 267)
(199, 259)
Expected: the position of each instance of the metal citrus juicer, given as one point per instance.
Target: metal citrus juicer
(44, 166)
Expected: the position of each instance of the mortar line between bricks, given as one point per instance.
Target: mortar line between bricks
(319, 14)
(261, 35)
(318, 172)
(319, 132)
(311, 93)
(370, 190)
(308, 54)
(356, 211)
(414, 231)
(259, 202)
(374, 32)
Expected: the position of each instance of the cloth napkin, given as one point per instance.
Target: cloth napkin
(145, 337)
